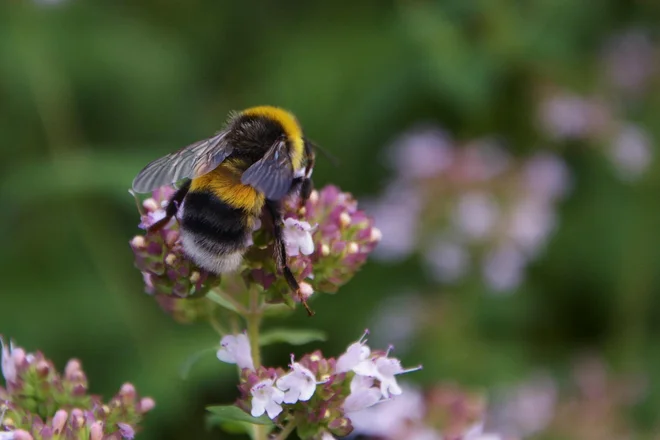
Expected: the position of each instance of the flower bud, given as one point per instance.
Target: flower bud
(22, 435)
(147, 404)
(43, 368)
(340, 426)
(127, 392)
(96, 431)
(72, 367)
(126, 430)
(306, 290)
(376, 235)
(138, 242)
(59, 420)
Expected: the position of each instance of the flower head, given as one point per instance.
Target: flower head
(298, 237)
(266, 398)
(298, 385)
(355, 354)
(235, 349)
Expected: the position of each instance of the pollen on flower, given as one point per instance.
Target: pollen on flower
(344, 219)
(194, 277)
(170, 259)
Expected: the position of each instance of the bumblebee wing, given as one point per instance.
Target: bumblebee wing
(192, 161)
(272, 174)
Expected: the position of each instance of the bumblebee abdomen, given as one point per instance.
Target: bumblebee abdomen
(215, 235)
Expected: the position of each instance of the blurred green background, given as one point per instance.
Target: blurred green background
(90, 91)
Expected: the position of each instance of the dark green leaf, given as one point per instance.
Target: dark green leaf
(291, 336)
(230, 413)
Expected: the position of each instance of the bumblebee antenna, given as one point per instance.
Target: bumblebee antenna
(332, 158)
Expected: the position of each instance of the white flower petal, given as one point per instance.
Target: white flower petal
(355, 353)
(361, 382)
(235, 349)
(8, 364)
(258, 407)
(273, 409)
(362, 399)
(366, 368)
(307, 245)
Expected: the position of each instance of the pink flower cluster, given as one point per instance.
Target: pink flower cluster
(327, 241)
(38, 403)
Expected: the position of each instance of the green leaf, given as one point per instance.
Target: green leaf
(222, 301)
(230, 413)
(291, 336)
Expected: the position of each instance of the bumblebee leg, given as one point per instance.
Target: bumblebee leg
(172, 207)
(280, 252)
(306, 184)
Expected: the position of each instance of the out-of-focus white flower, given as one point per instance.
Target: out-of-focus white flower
(298, 237)
(567, 116)
(531, 222)
(525, 409)
(630, 152)
(8, 361)
(476, 432)
(355, 353)
(235, 349)
(396, 213)
(481, 160)
(475, 215)
(422, 152)
(630, 60)
(363, 394)
(266, 398)
(447, 260)
(546, 176)
(385, 370)
(503, 268)
(390, 419)
(299, 384)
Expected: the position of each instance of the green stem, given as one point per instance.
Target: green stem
(217, 326)
(253, 320)
(288, 429)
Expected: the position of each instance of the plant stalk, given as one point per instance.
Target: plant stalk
(253, 321)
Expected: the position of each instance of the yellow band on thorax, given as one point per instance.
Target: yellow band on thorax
(225, 183)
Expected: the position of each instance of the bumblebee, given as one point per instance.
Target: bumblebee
(259, 158)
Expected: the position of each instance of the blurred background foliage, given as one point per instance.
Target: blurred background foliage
(91, 91)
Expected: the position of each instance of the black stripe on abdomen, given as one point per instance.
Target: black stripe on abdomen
(217, 226)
